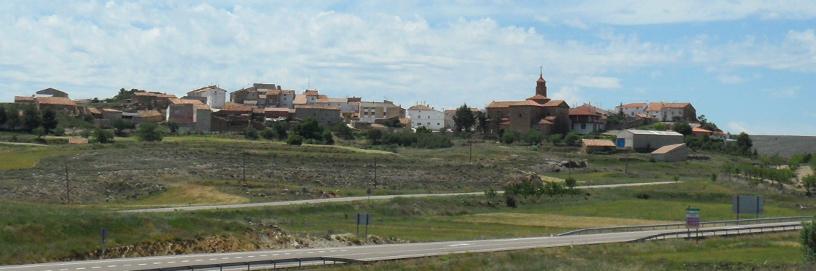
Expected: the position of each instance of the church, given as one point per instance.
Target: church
(535, 113)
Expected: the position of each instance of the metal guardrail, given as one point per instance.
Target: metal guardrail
(724, 232)
(265, 263)
(683, 225)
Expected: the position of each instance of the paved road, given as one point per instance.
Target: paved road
(360, 253)
(346, 199)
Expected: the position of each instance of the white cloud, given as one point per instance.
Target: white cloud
(94, 49)
(736, 127)
(598, 82)
(730, 79)
(784, 92)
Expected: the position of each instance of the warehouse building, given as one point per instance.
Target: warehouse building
(647, 140)
(671, 153)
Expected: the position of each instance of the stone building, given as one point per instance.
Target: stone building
(535, 113)
(264, 95)
(325, 116)
(212, 96)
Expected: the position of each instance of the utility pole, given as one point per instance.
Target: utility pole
(470, 152)
(243, 169)
(67, 186)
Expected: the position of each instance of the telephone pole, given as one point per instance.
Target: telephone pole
(67, 185)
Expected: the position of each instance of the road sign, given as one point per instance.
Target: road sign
(747, 204)
(693, 218)
(363, 219)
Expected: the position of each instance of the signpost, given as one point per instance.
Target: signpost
(692, 219)
(363, 219)
(747, 204)
(104, 236)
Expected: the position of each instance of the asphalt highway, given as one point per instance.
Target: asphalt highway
(367, 253)
(347, 199)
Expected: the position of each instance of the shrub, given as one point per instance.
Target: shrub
(510, 200)
(509, 137)
(310, 129)
(103, 136)
(642, 196)
(121, 125)
(572, 139)
(268, 133)
(555, 139)
(375, 135)
(149, 132)
(59, 131)
(251, 134)
(570, 182)
(433, 141)
(39, 132)
(280, 129)
(534, 137)
(342, 130)
(294, 139)
(49, 121)
(328, 139)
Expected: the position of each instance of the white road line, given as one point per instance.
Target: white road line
(197, 260)
(185, 261)
(250, 256)
(263, 255)
(459, 245)
(142, 264)
(112, 265)
(213, 259)
(225, 258)
(80, 268)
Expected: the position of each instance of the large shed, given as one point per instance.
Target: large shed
(597, 146)
(671, 153)
(647, 140)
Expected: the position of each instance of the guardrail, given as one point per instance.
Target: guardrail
(683, 225)
(697, 234)
(264, 263)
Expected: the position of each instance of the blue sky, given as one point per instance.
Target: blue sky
(747, 65)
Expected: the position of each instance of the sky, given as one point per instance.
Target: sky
(747, 65)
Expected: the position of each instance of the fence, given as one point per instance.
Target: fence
(696, 234)
(683, 225)
(263, 264)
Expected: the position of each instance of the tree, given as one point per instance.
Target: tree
(375, 135)
(31, 118)
(12, 117)
(310, 129)
(3, 117)
(342, 130)
(39, 132)
(251, 134)
(808, 238)
(49, 121)
(280, 129)
(509, 137)
(294, 139)
(572, 139)
(481, 122)
(149, 132)
(744, 143)
(683, 128)
(534, 137)
(268, 133)
(463, 119)
(328, 138)
(810, 184)
(103, 136)
(120, 125)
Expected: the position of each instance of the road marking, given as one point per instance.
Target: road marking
(63, 269)
(321, 251)
(459, 245)
(225, 258)
(185, 261)
(250, 256)
(80, 268)
(213, 259)
(112, 265)
(239, 257)
(156, 262)
(197, 260)
(287, 253)
(263, 255)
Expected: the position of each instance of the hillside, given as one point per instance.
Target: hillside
(784, 145)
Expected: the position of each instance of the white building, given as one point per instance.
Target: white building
(632, 110)
(425, 116)
(660, 111)
(213, 96)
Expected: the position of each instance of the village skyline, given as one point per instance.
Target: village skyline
(724, 60)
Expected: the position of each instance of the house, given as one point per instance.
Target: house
(237, 118)
(309, 96)
(597, 146)
(325, 116)
(647, 140)
(587, 119)
(150, 100)
(422, 115)
(535, 113)
(147, 116)
(632, 110)
(189, 114)
(371, 112)
(212, 96)
(674, 112)
(57, 104)
(349, 107)
(264, 95)
(23, 100)
(278, 112)
(699, 131)
(671, 153)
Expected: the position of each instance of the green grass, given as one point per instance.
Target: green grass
(23, 157)
(765, 252)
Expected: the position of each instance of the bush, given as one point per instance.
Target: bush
(121, 125)
(103, 136)
(433, 141)
(310, 129)
(510, 200)
(570, 182)
(294, 139)
(342, 130)
(251, 134)
(509, 137)
(534, 137)
(572, 139)
(375, 135)
(149, 132)
(280, 129)
(808, 238)
(328, 139)
(268, 134)
(59, 131)
(642, 196)
(555, 139)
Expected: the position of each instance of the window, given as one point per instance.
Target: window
(583, 126)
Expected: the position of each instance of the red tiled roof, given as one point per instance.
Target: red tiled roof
(585, 110)
(634, 105)
(555, 103)
(55, 101)
(668, 148)
(185, 101)
(19, 99)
